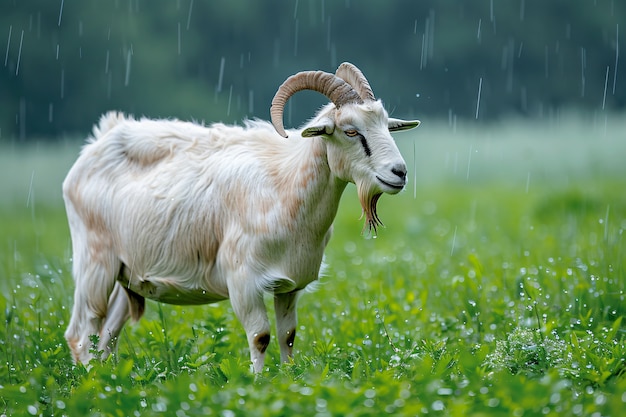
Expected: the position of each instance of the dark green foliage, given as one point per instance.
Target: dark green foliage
(63, 63)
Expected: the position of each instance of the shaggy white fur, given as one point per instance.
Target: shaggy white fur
(189, 214)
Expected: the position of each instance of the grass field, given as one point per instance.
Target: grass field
(496, 289)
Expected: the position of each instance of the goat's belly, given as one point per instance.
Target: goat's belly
(169, 290)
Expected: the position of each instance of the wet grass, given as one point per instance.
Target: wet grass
(499, 290)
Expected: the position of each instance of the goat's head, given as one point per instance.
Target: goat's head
(356, 128)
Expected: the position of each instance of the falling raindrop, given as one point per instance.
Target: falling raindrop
(230, 97)
(480, 87)
(221, 75)
(19, 54)
(30, 190)
(6, 56)
(606, 83)
(452, 120)
(428, 39)
(295, 40)
(616, 57)
(189, 14)
(60, 13)
(431, 34)
(422, 59)
(178, 38)
(583, 65)
(453, 241)
(127, 76)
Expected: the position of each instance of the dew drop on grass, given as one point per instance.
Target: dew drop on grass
(438, 405)
(493, 402)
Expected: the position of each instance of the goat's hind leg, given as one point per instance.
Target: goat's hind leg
(123, 304)
(94, 280)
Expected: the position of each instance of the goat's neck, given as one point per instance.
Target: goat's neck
(312, 188)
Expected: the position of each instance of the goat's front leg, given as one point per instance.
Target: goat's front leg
(286, 320)
(249, 307)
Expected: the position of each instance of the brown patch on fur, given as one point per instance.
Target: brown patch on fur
(285, 184)
(238, 201)
(98, 238)
(73, 344)
(292, 180)
(95, 222)
(262, 341)
(70, 192)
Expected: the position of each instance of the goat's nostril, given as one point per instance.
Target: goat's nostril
(400, 171)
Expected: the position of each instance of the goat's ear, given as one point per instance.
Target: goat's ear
(396, 125)
(323, 129)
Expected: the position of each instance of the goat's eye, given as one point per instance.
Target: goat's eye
(352, 133)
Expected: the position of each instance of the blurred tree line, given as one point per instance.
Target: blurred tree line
(66, 61)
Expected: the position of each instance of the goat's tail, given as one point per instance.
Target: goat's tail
(107, 122)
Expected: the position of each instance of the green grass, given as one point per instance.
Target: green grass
(498, 289)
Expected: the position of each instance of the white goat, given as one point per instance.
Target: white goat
(188, 214)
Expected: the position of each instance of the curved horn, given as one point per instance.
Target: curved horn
(353, 76)
(333, 87)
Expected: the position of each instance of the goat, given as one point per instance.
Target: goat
(185, 214)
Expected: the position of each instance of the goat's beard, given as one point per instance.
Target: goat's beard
(368, 197)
